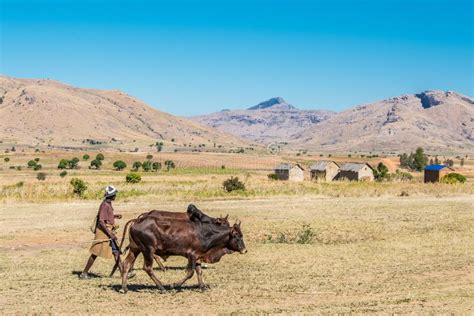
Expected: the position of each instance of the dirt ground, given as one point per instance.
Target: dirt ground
(367, 254)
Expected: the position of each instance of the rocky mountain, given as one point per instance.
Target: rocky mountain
(49, 113)
(273, 120)
(436, 120)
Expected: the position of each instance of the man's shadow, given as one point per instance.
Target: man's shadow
(150, 287)
(90, 274)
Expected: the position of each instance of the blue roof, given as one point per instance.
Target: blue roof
(435, 167)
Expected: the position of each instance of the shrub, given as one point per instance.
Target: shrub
(381, 172)
(73, 163)
(31, 163)
(136, 165)
(156, 166)
(19, 184)
(453, 178)
(223, 167)
(37, 159)
(233, 184)
(41, 176)
(79, 186)
(169, 165)
(100, 157)
(37, 167)
(147, 165)
(85, 157)
(133, 177)
(305, 236)
(400, 176)
(7, 159)
(149, 157)
(272, 176)
(63, 163)
(96, 163)
(119, 165)
(63, 174)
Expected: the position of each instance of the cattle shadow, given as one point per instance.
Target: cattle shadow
(150, 287)
(90, 274)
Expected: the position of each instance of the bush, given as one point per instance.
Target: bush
(37, 167)
(156, 166)
(119, 165)
(100, 157)
(149, 157)
(63, 174)
(86, 157)
(31, 163)
(453, 178)
(169, 165)
(73, 163)
(136, 165)
(7, 159)
(147, 165)
(400, 176)
(79, 186)
(63, 163)
(41, 176)
(133, 177)
(37, 159)
(272, 176)
(233, 184)
(96, 163)
(305, 236)
(381, 172)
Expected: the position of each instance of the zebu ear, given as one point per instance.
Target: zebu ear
(226, 217)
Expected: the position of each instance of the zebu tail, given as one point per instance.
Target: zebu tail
(125, 232)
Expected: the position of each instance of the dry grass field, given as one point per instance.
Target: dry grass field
(313, 248)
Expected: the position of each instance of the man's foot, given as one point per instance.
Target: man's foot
(84, 276)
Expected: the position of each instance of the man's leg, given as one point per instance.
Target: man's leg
(90, 262)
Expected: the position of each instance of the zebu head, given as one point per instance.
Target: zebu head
(236, 240)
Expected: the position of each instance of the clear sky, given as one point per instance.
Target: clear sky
(190, 57)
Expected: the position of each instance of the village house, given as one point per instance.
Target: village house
(324, 170)
(286, 171)
(356, 171)
(434, 173)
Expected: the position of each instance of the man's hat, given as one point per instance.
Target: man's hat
(110, 191)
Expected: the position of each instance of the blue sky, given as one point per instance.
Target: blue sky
(189, 57)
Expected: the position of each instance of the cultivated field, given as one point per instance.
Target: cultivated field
(313, 248)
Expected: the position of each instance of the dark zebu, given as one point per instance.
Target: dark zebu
(197, 241)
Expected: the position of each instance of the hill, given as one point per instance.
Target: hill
(270, 121)
(438, 121)
(39, 113)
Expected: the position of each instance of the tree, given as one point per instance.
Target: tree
(100, 157)
(86, 157)
(73, 163)
(159, 146)
(419, 159)
(133, 177)
(156, 166)
(169, 165)
(147, 165)
(136, 165)
(119, 165)
(63, 164)
(79, 186)
(381, 172)
(96, 163)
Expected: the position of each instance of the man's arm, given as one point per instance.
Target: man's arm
(106, 230)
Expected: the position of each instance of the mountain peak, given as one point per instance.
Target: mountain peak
(276, 103)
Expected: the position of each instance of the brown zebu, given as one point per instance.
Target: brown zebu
(192, 213)
(196, 241)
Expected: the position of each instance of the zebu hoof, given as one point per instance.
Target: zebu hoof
(123, 291)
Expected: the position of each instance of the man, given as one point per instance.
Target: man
(105, 242)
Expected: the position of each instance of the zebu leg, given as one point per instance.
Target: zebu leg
(199, 275)
(127, 264)
(189, 272)
(148, 267)
(158, 262)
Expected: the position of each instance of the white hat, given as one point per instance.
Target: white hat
(110, 191)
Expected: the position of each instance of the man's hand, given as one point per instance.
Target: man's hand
(119, 216)
(113, 237)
